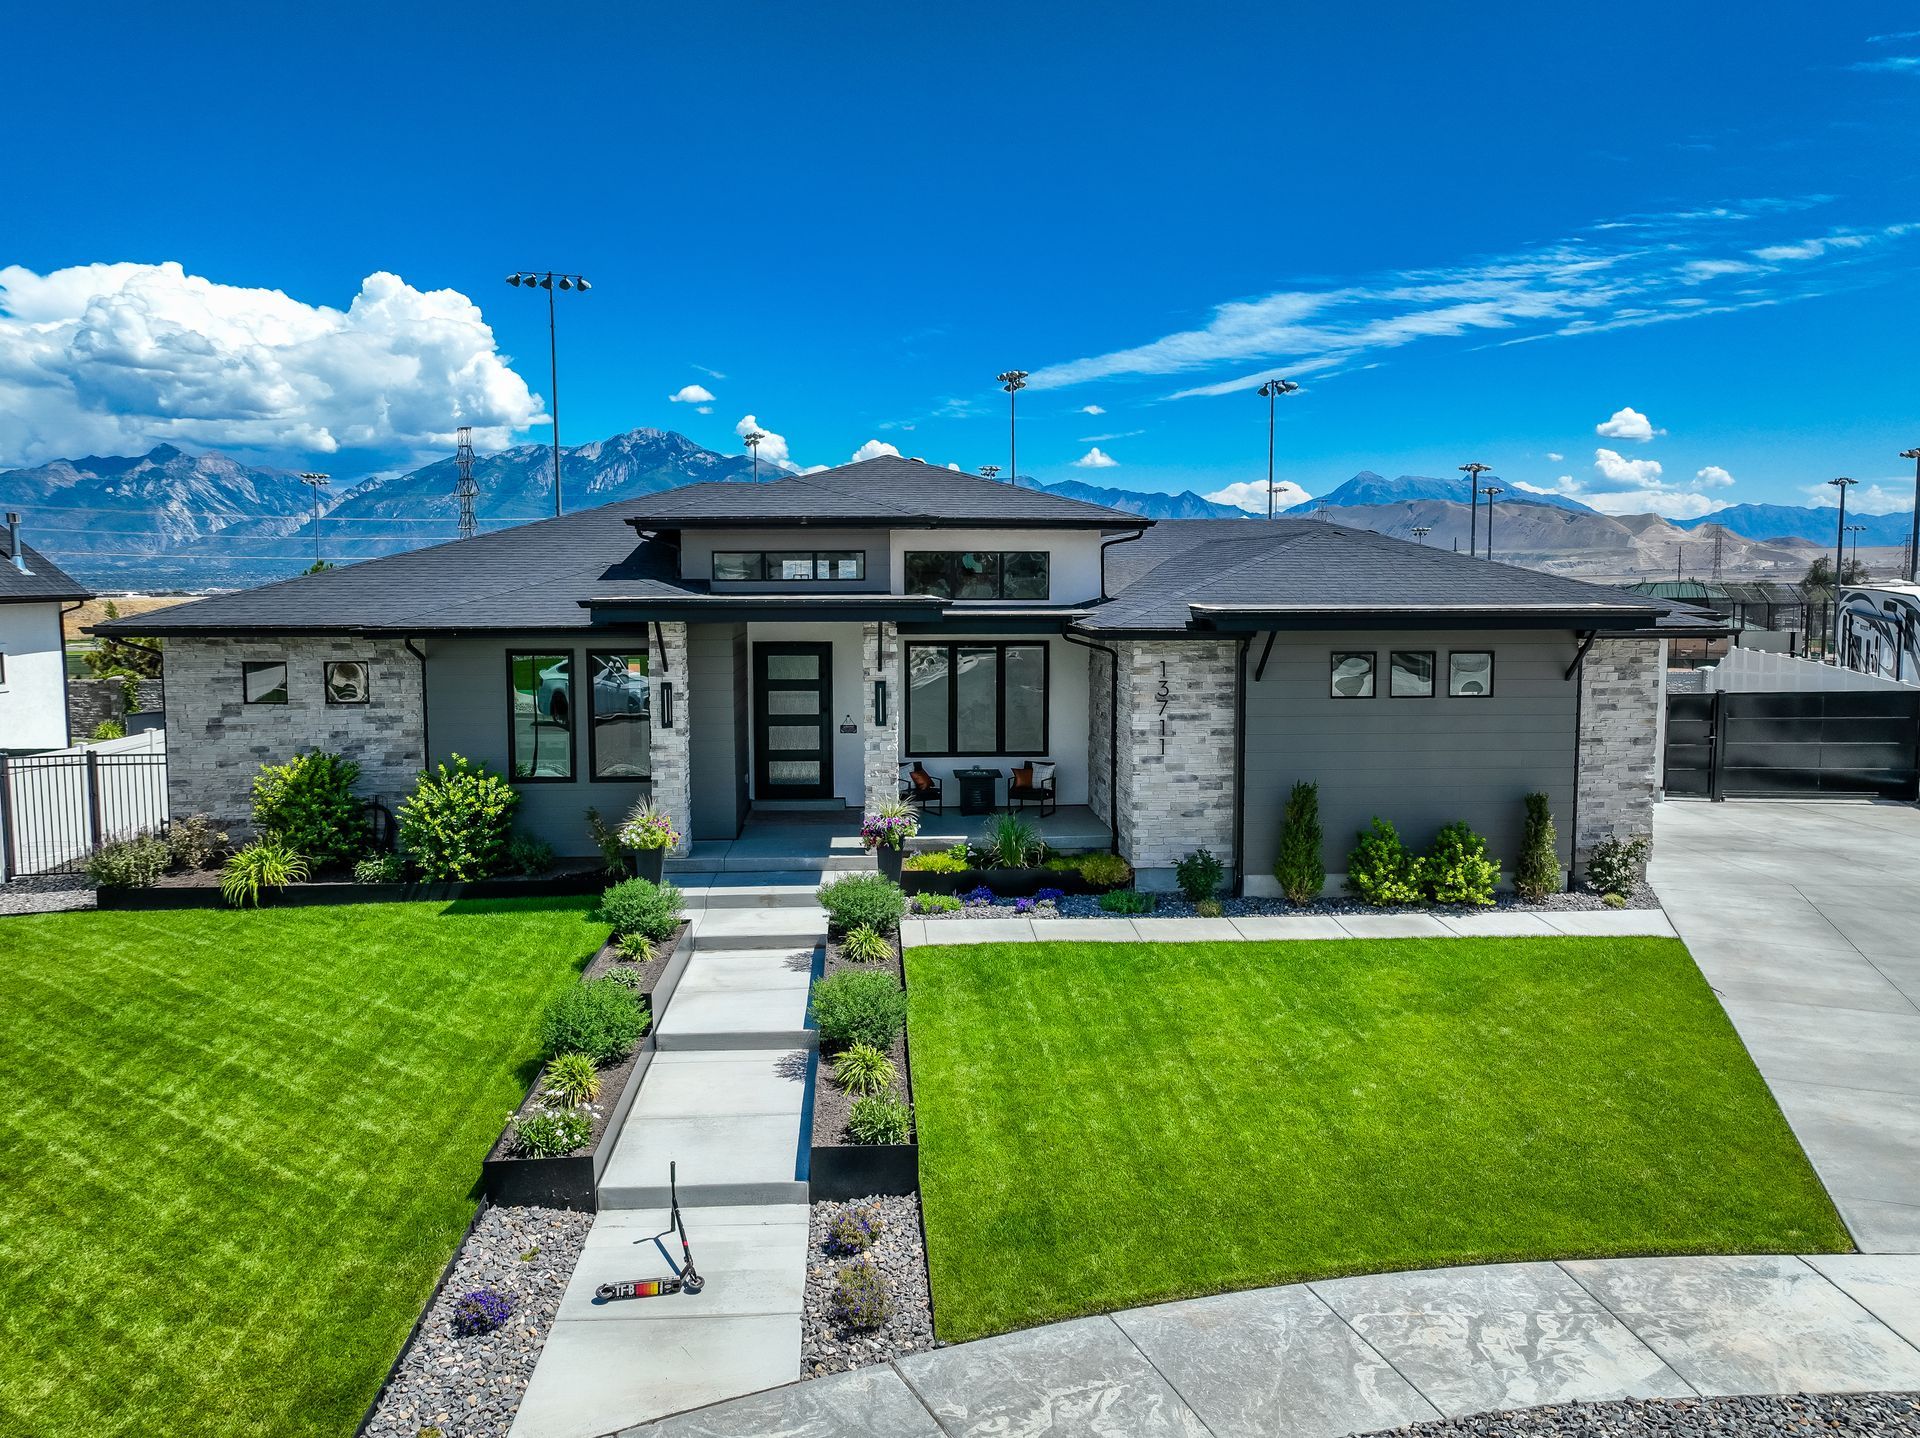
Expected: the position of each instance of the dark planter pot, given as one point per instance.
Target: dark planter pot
(839, 1172)
(649, 864)
(1007, 883)
(889, 859)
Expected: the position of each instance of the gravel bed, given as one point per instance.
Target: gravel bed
(1858, 1415)
(1172, 906)
(900, 1254)
(46, 894)
(471, 1387)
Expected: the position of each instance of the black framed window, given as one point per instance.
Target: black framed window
(790, 566)
(263, 681)
(1470, 674)
(977, 698)
(1352, 675)
(978, 573)
(348, 681)
(739, 566)
(619, 716)
(540, 706)
(1410, 674)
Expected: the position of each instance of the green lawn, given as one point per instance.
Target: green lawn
(1104, 1125)
(236, 1149)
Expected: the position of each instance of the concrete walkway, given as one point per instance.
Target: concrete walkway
(1805, 917)
(1354, 1355)
(1601, 923)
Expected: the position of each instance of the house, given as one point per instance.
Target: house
(34, 596)
(731, 649)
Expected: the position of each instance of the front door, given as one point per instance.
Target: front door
(792, 732)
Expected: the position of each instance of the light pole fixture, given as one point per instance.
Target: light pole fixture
(1913, 541)
(1839, 558)
(1272, 390)
(1473, 473)
(1013, 381)
(1490, 491)
(549, 280)
(1421, 531)
(753, 438)
(1856, 530)
(988, 471)
(316, 482)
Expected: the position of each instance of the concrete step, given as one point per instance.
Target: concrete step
(785, 861)
(729, 1118)
(748, 889)
(741, 999)
(793, 928)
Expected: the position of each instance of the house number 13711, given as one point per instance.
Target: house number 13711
(1163, 696)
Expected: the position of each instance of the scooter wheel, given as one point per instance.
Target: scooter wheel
(692, 1283)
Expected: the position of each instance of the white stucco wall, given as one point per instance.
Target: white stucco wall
(33, 690)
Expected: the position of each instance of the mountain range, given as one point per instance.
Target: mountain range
(169, 518)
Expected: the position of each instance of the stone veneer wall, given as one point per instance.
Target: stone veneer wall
(1620, 699)
(672, 752)
(1100, 734)
(880, 659)
(1176, 779)
(90, 702)
(216, 743)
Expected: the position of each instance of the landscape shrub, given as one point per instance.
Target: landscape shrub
(1380, 870)
(606, 838)
(1614, 901)
(865, 946)
(1011, 841)
(1299, 869)
(1457, 870)
(601, 1020)
(640, 906)
(551, 1132)
(263, 864)
(108, 729)
(859, 1299)
(853, 1230)
(194, 843)
(377, 869)
(857, 1007)
(129, 863)
(528, 855)
(871, 899)
(637, 947)
(935, 903)
(1537, 874)
(1199, 875)
(880, 1118)
(1126, 901)
(479, 1312)
(952, 860)
(456, 823)
(626, 975)
(1209, 909)
(1617, 866)
(573, 1079)
(308, 802)
(1103, 869)
(862, 1068)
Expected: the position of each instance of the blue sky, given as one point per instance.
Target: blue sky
(1471, 233)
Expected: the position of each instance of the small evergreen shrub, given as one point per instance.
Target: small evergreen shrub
(880, 1118)
(129, 863)
(852, 1231)
(480, 1312)
(1199, 875)
(456, 823)
(601, 1020)
(308, 802)
(1209, 909)
(640, 906)
(935, 903)
(551, 1133)
(852, 1007)
(1457, 870)
(1380, 870)
(1617, 866)
(1126, 901)
(1537, 874)
(1299, 868)
(870, 899)
(377, 869)
(859, 1299)
(1614, 901)
(573, 1079)
(864, 946)
(263, 864)
(194, 842)
(862, 1068)
(528, 855)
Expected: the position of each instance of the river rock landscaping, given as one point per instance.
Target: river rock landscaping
(898, 1251)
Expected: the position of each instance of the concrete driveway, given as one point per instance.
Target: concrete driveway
(1805, 917)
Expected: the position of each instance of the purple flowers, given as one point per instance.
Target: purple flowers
(853, 1231)
(480, 1311)
(1025, 906)
(888, 830)
(1050, 896)
(981, 895)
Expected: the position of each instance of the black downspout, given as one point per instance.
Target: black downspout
(1107, 544)
(426, 744)
(1579, 717)
(1113, 722)
(1240, 767)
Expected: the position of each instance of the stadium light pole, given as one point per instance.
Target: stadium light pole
(988, 471)
(1013, 381)
(316, 482)
(1421, 531)
(1473, 473)
(547, 280)
(1913, 540)
(1490, 491)
(1273, 389)
(753, 438)
(1855, 530)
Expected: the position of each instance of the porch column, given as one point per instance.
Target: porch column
(1620, 712)
(879, 664)
(1176, 776)
(672, 753)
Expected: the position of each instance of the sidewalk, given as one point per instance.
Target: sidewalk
(1600, 923)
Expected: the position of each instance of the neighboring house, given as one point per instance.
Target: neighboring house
(732, 647)
(34, 594)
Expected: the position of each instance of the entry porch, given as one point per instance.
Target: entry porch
(828, 841)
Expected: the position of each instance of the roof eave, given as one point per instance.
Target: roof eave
(659, 524)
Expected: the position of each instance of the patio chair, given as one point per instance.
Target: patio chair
(925, 790)
(1033, 784)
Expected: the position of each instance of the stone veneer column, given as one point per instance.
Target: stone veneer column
(1100, 734)
(880, 659)
(1620, 698)
(1176, 780)
(672, 755)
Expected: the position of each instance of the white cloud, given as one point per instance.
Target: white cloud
(1638, 486)
(1673, 503)
(1095, 458)
(1712, 477)
(1866, 498)
(691, 394)
(1117, 434)
(1626, 473)
(1554, 458)
(1091, 409)
(872, 449)
(1627, 423)
(1896, 64)
(106, 358)
(773, 447)
(1251, 495)
(954, 467)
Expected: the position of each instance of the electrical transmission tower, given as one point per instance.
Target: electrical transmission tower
(464, 488)
(1719, 547)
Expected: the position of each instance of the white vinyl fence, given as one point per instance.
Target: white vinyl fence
(1754, 671)
(57, 807)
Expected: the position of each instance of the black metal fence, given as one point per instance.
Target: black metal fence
(55, 809)
(1820, 744)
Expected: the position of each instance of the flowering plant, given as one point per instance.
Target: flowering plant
(1050, 896)
(889, 826)
(981, 895)
(1025, 906)
(649, 828)
(479, 1312)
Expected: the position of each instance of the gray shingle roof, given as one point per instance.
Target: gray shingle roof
(42, 581)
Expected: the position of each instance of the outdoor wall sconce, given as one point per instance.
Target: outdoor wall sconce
(880, 703)
(666, 706)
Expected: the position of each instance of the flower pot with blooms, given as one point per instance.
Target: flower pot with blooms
(885, 833)
(649, 833)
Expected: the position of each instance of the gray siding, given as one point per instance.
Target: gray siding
(718, 727)
(1421, 763)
